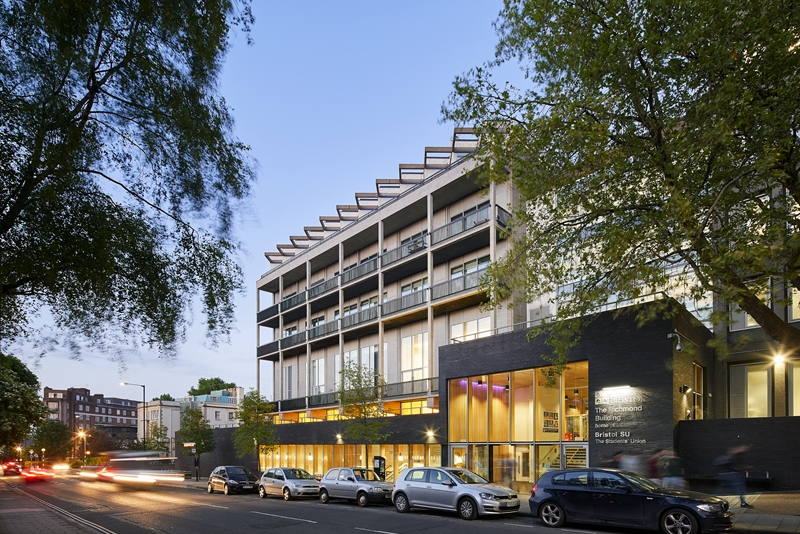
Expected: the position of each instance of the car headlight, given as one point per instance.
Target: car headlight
(488, 496)
(710, 507)
(233, 482)
(377, 489)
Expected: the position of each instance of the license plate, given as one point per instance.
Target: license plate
(247, 486)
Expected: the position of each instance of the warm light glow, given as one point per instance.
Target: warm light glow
(399, 457)
(309, 458)
(60, 467)
(780, 358)
(338, 436)
(81, 434)
(430, 433)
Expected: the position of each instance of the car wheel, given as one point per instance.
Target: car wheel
(467, 509)
(210, 488)
(262, 492)
(362, 499)
(401, 503)
(323, 497)
(287, 495)
(552, 515)
(677, 521)
(226, 489)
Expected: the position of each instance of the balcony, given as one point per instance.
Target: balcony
(293, 404)
(405, 250)
(411, 388)
(267, 313)
(364, 316)
(268, 348)
(412, 300)
(456, 285)
(322, 399)
(503, 217)
(293, 340)
(322, 288)
(461, 225)
(362, 270)
(323, 330)
(294, 300)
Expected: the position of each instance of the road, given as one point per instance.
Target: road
(170, 509)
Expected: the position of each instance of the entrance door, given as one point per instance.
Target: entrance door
(575, 456)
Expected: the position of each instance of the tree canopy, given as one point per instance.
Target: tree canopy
(120, 172)
(20, 405)
(360, 396)
(654, 147)
(207, 385)
(55, 438)
(196, 429)
(164, 397)
(256, 431)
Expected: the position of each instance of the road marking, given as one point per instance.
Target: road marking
(76, 518)
(212, 505)
(580, 531)
(378, 531)
(284, 517)
(518, 525)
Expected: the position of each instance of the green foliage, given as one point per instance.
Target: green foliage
(207, 385)
(157, 437)
(360, 396)
(55, 437)
(641, 149)
(114, 142)
(164, 397)
(195, 429)
(20, 405)
(255, 432)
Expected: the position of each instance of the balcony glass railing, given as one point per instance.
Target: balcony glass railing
(457, 285)
(323, 329)
(503, 217)
(294, 339)
(322, 288)
(461, 225)
(411, 300)
(357, 272)
(405, 250)
(409, 388)
(364, 316)
(294, 300)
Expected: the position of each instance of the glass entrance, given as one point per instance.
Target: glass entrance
(575, 456)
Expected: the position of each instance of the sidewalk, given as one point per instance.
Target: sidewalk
(23, 514)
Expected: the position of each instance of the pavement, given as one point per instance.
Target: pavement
(24, 513)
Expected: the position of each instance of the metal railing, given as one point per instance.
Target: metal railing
(503, 217)
(364, 316)
(266, 313)
(294, 339)
(423, 385)
(456, 285)
(323, 399)
(403, 303)
(357, 272)
(404, 250)
(268, 348)
(294, 300)
(323, 329)
(461, 225)
(322, 288)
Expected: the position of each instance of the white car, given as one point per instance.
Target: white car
(452, 489)
(288, 482)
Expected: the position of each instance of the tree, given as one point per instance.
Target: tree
(255, 432)
(53, 436)
(20, 405)
(120, 171)
(654, 149)
(360, 397)
(207, 385)
(158, 438)
(164, 397)
(195, 429)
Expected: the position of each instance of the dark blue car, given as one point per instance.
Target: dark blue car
(623, 498)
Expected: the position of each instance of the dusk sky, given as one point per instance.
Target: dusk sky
(331, 96)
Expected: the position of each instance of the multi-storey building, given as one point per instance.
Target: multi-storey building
(392, 282)
(82, 411)
(218, 407)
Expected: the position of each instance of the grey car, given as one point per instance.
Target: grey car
(452, 489)
(288, 482)
(354, 484)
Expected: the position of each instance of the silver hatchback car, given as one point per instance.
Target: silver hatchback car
(288, 482)
(354, 484)
(453, 489)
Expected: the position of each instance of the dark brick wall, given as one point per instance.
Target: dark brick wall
(773, 442)
(223, 454)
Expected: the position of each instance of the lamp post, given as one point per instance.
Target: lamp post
(41, 463)
(19, 453)
(83, 435)
(144, 408)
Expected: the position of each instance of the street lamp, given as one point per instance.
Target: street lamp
(83, 435)
(42, 462)
(19, 453)
(144, 408)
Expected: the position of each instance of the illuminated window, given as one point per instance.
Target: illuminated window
(414, 357)
(751, 390)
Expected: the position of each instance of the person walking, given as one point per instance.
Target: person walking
(653, 469)
(731, 473)
(671, 469)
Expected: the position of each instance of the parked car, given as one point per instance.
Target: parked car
(453, 489)
(232, 479)
(354, 484)
(12, 468)
(289, 482)
(622, 498)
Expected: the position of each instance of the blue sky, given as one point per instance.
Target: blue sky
(331, 96)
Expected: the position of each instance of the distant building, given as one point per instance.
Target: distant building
(218, 407)
(82, 411)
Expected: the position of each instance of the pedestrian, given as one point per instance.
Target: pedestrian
(614, 461)
(653, 470)
(630, 462)
(671, 470)
(731, 473)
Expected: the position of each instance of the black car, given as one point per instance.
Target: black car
(623, 498)
(232, 479)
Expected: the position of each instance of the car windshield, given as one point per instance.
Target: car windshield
(236, 470)
(467, 477)
(300, 474)
(366, 474)
(639, 481)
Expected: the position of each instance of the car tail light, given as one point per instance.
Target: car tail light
(534, 488)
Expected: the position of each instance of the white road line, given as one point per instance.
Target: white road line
(211, 505)
(285, 517)
(518, 525)
(580, 531)
(63, 512)
(378, 531)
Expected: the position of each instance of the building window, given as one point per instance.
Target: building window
(416, 285)
(369, 357)
(292, 330)
(793, 372)
(698, 394)
(349, 310)
(469, 267)
(369, 303)
(289, 377)
(217, 415)
(318, 376)
(751, 390)
(740, 320)
(80, 425)
(414, 357)
(231, 416)
(469, 330)
(52, 405)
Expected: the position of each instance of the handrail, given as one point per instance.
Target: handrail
(404, 250)
(403, 303)
(322, 288)
(357, 272)
(461, 225)
(456, 285)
